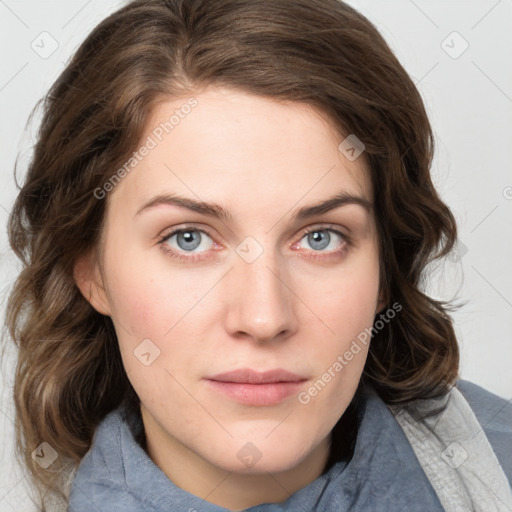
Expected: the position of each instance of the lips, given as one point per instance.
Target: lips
(248, 376)
(254, 388)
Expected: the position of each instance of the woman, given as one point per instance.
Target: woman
(223, 229)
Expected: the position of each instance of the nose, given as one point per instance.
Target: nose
(260, 301)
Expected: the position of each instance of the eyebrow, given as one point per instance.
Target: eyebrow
(218, 212)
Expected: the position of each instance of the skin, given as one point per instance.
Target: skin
(294, 307)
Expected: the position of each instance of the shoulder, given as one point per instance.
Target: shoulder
(494, 414)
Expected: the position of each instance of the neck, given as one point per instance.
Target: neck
(235, 491)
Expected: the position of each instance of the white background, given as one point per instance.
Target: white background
(469, 100)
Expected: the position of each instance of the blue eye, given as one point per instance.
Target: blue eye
(324, 239)
(192, 245)
(187, 240)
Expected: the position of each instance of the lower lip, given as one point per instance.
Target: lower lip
(257, 394)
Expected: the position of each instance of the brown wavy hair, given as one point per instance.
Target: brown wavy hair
(323, 53)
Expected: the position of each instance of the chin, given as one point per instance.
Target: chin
(262, 456)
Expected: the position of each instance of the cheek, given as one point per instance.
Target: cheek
(340, 353)
(162, 305)
(346, 304)
(150, 297)
(345, 301)
(153, 331)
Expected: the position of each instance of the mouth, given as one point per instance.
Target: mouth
(255, 388)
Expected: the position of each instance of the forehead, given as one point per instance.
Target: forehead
(242, 150)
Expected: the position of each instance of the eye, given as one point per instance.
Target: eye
(191, 244)
(322, 239)
(186, 240)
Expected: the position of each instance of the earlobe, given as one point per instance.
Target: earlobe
(89, 280)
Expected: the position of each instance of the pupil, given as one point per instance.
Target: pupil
(319, 239)
(188, 240)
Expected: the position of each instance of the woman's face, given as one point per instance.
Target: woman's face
(261, 278)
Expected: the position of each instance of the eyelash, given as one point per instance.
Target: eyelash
(347, 243)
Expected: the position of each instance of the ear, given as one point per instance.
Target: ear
(88, 278)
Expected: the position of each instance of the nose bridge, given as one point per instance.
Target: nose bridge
(261, 304)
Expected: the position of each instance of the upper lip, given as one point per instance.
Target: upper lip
(249, 376)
